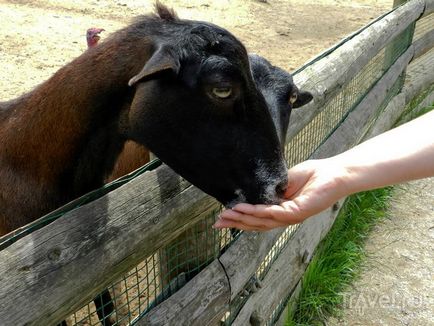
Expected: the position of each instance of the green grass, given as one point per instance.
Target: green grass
(338, 258)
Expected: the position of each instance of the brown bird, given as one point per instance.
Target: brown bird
(92, 36)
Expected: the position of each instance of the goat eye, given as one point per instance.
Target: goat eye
(293, 98)
(222, 92)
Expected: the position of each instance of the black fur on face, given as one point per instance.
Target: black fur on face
(279, 91)
(197, 90)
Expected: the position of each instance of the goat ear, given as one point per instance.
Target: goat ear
(161, 60)
(302, 98)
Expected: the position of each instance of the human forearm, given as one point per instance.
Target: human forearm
(401, 154)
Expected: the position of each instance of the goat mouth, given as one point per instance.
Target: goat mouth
(239, 198)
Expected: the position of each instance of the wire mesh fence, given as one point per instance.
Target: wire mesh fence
(166, 271)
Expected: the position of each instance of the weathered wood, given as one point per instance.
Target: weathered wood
(420, 75)
(328, 75)
(388, 117)
(244, 256)
(424, 44)
(384, 122)
(239, 263)
(118, 230)
(401, 41)
(100, 241)
(357, 122)
(429, 7)
(286, 270)
(290, 306)
(194, 248)
(202, 302)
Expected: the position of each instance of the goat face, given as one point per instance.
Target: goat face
(279, 91)
(197, 90)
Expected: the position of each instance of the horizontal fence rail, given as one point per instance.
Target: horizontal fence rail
(53, 271)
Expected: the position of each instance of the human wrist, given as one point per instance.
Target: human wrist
(349, 176)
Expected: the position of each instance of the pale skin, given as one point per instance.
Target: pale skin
(399, 155)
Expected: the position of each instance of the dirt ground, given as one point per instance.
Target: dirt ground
(38, 37)
(396, 286)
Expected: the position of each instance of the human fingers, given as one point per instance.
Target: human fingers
(246, 224)
(223, 224)
(236, 218)
(288, 212)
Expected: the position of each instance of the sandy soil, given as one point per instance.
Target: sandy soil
(38, 37)
(397, 283)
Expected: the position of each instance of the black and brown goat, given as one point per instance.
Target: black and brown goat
(181, 88)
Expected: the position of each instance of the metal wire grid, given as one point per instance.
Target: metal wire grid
(395, 89)
(366, 82)
(265, 266)
(160, 275)
(275, 315)
(163, 273)
(304, 144)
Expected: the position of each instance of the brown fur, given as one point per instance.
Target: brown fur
(47, 133)
(132, 157)
(164, 12)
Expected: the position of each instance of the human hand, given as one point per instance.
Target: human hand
(313, 186)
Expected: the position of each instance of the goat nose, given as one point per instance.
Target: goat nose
(281, 188)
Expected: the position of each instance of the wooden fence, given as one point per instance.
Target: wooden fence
(53, 271)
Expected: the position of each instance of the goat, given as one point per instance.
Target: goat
(281, 96)
(181, 88)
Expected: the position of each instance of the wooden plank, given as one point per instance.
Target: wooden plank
(86, 249)
(202, 302)
(286, 270)
(356, 124)
(243, 257)
(291, 305)
(396, 104)
(388, 117)
(328, 75)
(420, 75)
(429, 7)
(120, 229)
(424, 44)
